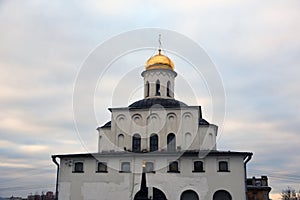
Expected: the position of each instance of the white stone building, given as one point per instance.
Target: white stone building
(156, 148)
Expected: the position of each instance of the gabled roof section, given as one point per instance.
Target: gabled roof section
(203, 122)
(107, 125)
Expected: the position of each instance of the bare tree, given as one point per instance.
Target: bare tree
(290, 194)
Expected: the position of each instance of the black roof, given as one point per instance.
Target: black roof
(203, 122)
(108, 124)
(159, 102)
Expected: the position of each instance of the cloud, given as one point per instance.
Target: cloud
(13, 124)
(255, 46)
(12, 165)
(34, 148)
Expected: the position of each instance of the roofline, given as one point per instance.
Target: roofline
(103, 127)
(262, 188)
(208, 125)
(202, 125)
(164, 69)
(177, 153)
(155, 108)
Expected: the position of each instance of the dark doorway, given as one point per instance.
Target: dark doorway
(222, 195)
(189, 195)
(143, 195)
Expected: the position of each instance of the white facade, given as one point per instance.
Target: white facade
(183, 122)
(156, 148)
(115, 185)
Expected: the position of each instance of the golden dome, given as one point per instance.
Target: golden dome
(159, 61)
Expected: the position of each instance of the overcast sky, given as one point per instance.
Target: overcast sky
(255, 46)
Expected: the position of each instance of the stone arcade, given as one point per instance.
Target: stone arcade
(156, 148)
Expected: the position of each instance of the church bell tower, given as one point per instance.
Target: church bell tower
(159, 76)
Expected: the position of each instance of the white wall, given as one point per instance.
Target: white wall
(182, 122)
(114, 185)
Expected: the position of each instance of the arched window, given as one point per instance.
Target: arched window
(168, 89)
(189, 195)
(171, 142)
(147, 89)
(198, 166)
(223, 166)
(157, 91)
(222, 195)
(121, 140)
(173, 167)
(153, 142)
(136, 143)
